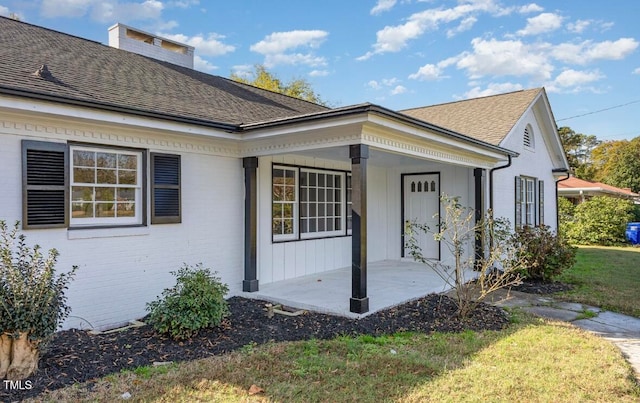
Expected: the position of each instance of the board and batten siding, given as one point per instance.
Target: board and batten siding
(286, 260)
(121, 269)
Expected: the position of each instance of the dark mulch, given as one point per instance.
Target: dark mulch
(75, 356)
(542, 287)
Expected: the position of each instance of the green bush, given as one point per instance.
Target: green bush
(566, 213)
(195, 302)
(546, 254)
(32, 298)
(600, 220)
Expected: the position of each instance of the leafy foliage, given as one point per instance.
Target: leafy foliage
(472, 277)
(32, 296)
(297, 88)
(545, 254)
(578, 148)
(600, 220)
(195, 302)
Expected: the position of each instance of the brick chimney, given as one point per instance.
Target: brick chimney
(146, 44)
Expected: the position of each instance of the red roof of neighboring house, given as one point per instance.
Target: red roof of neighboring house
(575, 184)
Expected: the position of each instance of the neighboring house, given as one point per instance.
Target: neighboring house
(579, 190)
(131, 166)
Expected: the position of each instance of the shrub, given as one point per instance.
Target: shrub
(195, 302)
(32, 302)
(600, 220)
(545, 254)
(566, 213)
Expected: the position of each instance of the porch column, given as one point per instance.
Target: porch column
(478, 174)
(359, 302)
(250, 282)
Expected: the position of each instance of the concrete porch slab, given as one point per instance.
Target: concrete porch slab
(389, 283)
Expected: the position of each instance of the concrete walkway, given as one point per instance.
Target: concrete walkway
(623, 331)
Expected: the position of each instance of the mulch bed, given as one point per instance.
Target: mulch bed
(75, 356)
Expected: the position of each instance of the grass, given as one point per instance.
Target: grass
(532, 360)
(607, 277)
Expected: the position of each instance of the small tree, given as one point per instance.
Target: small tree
(473, 278)
(32, 302)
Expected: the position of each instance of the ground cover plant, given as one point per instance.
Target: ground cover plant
(607, 277)
(531, 360)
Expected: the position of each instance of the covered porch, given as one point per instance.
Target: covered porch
(390, 283)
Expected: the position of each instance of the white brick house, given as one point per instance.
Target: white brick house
(131, 166)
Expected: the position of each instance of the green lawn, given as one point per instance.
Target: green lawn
(608, 277)
(533, 360)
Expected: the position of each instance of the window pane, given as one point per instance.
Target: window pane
(278, 176)
(288, 226)
(320, 210)
(338, 224)
(277, 210)
(82, 210)
(320, 224)
(84, 175)
(83, 193)
(84, 158)
(106, 160)
(126, 177)
(304, 194)
(126, 194)
(321, 178)
(329, 225)
(312, 225)
(126, 209)
(338, 210)
(330, 210)
(105, 210)
(277, 226)
(290, 193)
(127, 162)
(330, 181)
(321, 195)
(304, 178)
(312, 179)
(312, 195)
(330, 195)
(287, 210)
(105, 194)
(106, 176)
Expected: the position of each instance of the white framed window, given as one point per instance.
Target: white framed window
(526, 195)
(322, 200)
(106, 186)
(284, 203)
(310, 203)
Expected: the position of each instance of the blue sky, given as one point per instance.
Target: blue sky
(400, 53)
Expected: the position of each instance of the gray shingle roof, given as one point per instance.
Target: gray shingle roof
(489, 119)
(89, 72)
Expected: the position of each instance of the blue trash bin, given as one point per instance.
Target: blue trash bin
(633, 233)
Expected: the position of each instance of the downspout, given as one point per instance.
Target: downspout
(491, 192)
(557, 210)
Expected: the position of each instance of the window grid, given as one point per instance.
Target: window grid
(321, 204)
(529, 203)
(105, 186)
(284, 203)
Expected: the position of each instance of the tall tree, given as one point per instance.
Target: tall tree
(621, 163)
(578, 148)
(297, 88)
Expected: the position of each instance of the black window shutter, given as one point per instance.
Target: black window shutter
(165, 189)
(541, 201)
(45, 186)
(518, 200)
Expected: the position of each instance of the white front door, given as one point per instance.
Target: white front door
(422, 205)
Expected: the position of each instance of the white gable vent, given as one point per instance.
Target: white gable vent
(146, 44)
(528, 136)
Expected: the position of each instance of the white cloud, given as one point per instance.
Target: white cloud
(4, 11)
(243, 71)
(382, 6)
(464, 25)
(505, 58)
(209, 45)
(530, 8)
(543, 23)
(398, 90)
(275, 47)
(573, 81)
(183, 3)
(636, 71)
(201, 64)
(319, 73)
(587, 52)
(579, 26)
(428, 72)
(492, 89)
(374, 84)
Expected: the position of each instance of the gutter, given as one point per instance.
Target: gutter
(566, 171)
(491, 171)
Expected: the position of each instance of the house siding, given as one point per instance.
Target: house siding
(121, 269)
(534, 163)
